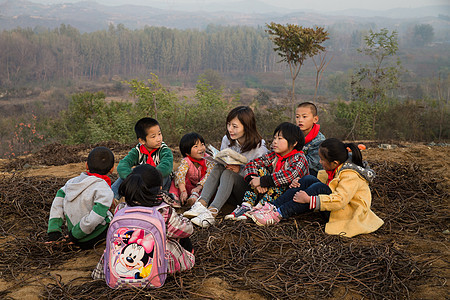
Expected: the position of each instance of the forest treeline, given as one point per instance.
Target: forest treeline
(27, 55)
(42, 55)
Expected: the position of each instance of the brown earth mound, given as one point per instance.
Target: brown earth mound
(407, 258)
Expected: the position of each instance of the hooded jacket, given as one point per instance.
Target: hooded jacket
(350, 200)
(84, 203)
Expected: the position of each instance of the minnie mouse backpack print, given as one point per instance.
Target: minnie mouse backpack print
(135, 254)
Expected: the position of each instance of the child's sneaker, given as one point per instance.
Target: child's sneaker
(255, 209)
(239, 212)
(195, 210)
(267, 216)
(204, 219)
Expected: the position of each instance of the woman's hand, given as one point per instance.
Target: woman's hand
(301, 197)
(234, 168)
(294, 183)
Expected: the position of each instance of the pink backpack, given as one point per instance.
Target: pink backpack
(135, 252)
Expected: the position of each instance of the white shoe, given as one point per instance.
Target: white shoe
(195, 210)
(204, 220)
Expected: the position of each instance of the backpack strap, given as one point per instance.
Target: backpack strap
(162, 205)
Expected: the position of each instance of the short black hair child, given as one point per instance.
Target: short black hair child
(142, 187)
(188, 141)
(292, 133)
(100, 160)
(311, 106)
(143, 125)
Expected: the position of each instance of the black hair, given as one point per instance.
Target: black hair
(100, 160)
(292, 133)
(143, 125)
(246, 116)
(311, 105)
(188, 141)
(142, 187)
(333, 149)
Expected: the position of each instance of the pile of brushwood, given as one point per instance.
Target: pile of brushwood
(292, 260)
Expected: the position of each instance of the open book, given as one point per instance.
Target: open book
(225, 157)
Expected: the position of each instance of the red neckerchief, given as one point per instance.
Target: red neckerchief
(149, 154)
(312, 134)
(201, 162)
(282, 158)
(330, 175)
(104, 177)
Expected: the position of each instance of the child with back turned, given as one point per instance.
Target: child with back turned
(306, 118)
(340, 191)
(193, 171)
(150, 150)
(142, 188)
(84, 202)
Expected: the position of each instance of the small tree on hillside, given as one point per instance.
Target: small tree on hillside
(321, 66)
(295, 44)
(372, 82)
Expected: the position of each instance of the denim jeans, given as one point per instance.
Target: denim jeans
(311, 185)
(115, 186)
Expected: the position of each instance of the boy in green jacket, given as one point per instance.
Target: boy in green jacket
(150, 150)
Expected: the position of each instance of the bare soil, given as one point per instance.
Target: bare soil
(405, 259)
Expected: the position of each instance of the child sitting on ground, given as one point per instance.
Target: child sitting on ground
(193, 171)
(84, 202)
(270, 175)
(150, 150)
(341, 191)
(143, 188)
(306, 117)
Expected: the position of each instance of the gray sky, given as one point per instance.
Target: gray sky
(327, 5)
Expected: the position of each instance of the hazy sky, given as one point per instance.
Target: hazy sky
(328, 5)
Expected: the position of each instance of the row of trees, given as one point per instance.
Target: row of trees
(65, 53)
(38, 55)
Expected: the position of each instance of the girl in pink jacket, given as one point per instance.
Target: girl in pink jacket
(192, 172)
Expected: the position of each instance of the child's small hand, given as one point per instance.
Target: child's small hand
(294, 183)
(197, 189)
(255, 182)
(301, 197)
(261, 190)
(234, 168)
(183, 196)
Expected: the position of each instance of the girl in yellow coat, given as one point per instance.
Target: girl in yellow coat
(340, 191)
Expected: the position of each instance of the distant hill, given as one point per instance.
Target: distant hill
(90, 16)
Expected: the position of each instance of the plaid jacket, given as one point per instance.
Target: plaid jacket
(293, 167)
